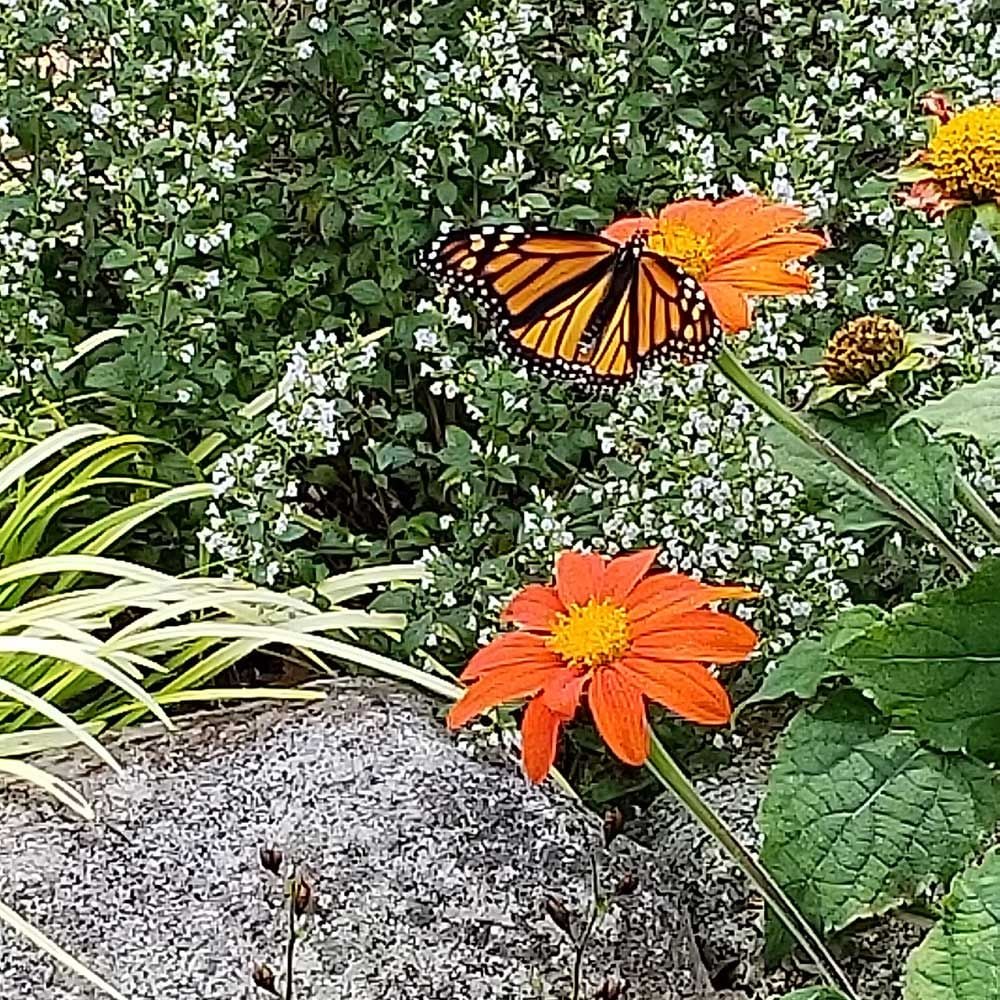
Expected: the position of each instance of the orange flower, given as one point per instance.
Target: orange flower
(613, 631)
(734, 249)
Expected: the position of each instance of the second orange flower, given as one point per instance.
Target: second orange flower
(614, 633)
(735, 249)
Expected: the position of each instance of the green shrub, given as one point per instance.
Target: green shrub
(223, 190)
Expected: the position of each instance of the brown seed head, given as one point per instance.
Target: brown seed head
(862, 349)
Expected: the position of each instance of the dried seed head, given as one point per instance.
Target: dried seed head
(614, 823)
(263, 979)
(864, 348)
(628, 884)
(301, 896)
(611, 989)
(271, 859)
(559, 915)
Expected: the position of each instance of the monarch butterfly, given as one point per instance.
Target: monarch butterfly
(578, 305)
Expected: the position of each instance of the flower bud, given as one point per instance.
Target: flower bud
(934, 104)
(271, 860)
(612, 989)
(301, 896)
(628, 884)
(614, 823)
(559, 915)
(263, 979)
(862, 349)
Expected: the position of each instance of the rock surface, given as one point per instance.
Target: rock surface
(431, 866)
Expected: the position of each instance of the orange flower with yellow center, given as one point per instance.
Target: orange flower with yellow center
(734, 249)
(615, 633)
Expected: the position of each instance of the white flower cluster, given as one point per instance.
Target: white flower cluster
(257, 508)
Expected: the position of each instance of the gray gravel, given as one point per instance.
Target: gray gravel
(431, 866)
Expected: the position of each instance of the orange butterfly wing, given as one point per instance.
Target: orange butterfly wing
(581, 306)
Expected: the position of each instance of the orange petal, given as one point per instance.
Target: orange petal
(497, 687)
(709, 636)
(778, 249)
(539, 738)
(562, 692)
(534, 607)
(623, 572)
(510, 649)
(658, 592)
(695, 213)
(620, 715)
(685, 688)
(750, 229)
(760, 276)
(579, 576)
(730, 307)
(622, 230)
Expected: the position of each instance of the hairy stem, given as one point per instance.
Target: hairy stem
(896, 503)
(669, 774)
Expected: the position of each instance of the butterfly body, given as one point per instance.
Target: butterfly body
(580, 306)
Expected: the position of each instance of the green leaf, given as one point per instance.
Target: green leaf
(903, 455)
(988, 216)
(960, 958)
(661, 66)
(934, 664)
(119, 257)
(869, 253)
(811, 661)
(970, 410)
(762, 105)
(693, 117)
(365, 292)
(859, 818)
(446, 192)
(957, 226)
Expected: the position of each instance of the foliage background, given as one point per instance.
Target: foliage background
(227, 195)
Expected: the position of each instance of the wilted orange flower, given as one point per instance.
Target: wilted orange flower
(961, 163)
(734, 249)
(616, 633)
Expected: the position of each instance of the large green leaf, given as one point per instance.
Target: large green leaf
(970, 411)
(903, 456)
(811, 661)
(859, 817)
(934, 664)
(960, 958)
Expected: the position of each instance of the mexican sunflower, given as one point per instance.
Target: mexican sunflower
(961, 162)
(734, 249)
(614, 633)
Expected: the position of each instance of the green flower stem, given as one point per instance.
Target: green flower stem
(666, 770)
(972, 500)
(896, 503)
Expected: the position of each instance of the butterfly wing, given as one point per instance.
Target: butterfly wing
(660, 312)
(543, 288)
(581, 306)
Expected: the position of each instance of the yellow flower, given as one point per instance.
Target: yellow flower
(964, 154)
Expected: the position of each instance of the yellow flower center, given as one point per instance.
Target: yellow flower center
(686, 248)
(862, 349)
(965, 153)
(590, 635)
